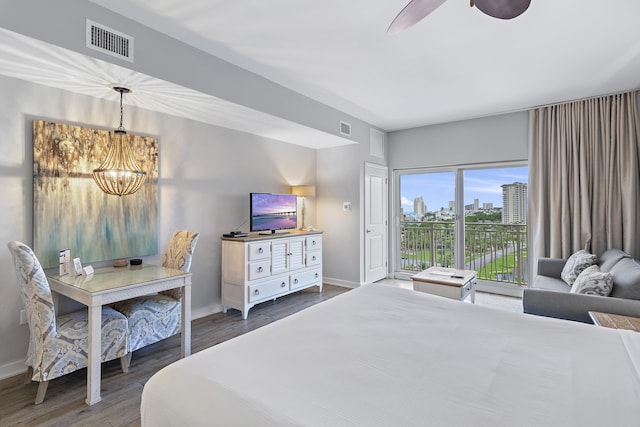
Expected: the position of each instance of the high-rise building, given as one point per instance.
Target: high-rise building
(476, 205)
(419, 208)
(514, 203)
(487, 206)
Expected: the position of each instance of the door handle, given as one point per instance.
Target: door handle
(369, 231)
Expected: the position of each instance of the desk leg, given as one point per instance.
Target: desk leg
(95, 351)
(185, 329)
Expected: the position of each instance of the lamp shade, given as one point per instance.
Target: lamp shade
(303, 190)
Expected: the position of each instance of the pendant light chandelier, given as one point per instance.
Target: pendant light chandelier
(119, 174)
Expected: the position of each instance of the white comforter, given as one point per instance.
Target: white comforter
(382, 356)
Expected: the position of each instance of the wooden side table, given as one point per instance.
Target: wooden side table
(615, 321)
(446, 282)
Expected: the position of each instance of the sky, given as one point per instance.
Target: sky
(437, 189)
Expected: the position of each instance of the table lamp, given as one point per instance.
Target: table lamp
(303, 191)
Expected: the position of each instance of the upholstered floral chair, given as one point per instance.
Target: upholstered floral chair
(155, 317)
(59, 345)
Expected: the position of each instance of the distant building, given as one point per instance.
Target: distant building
(514, 203)
(452, 205)
(487, 206)
(419, 208)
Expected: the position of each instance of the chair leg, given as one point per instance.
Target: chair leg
(42, 390)
(124, 362)
(28, 375)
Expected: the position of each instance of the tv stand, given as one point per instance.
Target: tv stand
(262, 268)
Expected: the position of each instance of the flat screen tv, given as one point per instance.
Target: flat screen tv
(270, 212)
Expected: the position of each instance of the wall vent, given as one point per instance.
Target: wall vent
(109, 41)
(345, 128)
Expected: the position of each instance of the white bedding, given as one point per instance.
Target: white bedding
(383, 356)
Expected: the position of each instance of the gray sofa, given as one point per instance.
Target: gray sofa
(548, 295)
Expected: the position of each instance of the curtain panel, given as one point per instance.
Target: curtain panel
(584, 177)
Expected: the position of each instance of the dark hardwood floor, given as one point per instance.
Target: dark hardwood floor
(120, 406)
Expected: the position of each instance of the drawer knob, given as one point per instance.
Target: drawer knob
(282, 285)
(260, 269)
(313, 258)
(256, 292)
(295, 281)
(313, 243)
(260, 250)
(317, 275)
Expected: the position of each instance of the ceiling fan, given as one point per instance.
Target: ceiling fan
(416, 10)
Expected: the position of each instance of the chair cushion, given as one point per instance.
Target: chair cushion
(610, 257)
(151, 318)
(592, 281)
(626, 279)
(576, 264)
(67, 351)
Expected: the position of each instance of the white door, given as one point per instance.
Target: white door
(376, 226)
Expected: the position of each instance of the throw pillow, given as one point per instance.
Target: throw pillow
(576, 264)
(592, 281)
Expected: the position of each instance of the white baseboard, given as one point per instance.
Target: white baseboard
(12, 369)
(339, 282)
(206, 311)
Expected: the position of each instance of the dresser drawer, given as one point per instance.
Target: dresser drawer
(306, 278)
(268, 289)
(314, 243)
(314, 258)
(259, 269)
(258, 250)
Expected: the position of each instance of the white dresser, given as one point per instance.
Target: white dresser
(263, 267)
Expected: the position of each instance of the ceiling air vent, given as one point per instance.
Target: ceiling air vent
(345, 128)
(109, 41)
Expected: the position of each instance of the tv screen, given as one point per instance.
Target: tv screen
(273, 211)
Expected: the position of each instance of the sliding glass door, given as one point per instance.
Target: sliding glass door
(470, 218)
(427, 212)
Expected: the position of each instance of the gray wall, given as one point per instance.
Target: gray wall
(200, 188)
(500, 138)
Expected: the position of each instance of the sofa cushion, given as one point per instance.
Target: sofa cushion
(610, 257)
(626, 279)
(592, 281)
(576, 264)
(550, 284)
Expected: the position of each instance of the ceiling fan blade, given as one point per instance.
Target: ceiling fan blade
(503, 9)
(413, 13)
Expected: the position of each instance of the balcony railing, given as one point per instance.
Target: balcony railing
(498, 252)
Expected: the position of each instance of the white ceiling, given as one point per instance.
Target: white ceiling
(455, 64)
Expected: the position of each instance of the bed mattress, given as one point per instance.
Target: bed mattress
(384, 356)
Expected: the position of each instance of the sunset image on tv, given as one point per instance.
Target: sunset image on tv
(273, 211)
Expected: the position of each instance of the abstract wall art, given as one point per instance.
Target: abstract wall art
(69, 209)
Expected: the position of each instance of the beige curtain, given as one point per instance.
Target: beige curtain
(584, 177)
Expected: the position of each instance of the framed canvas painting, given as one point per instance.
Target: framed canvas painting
(70, 210)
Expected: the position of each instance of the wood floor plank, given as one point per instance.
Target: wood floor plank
(120, 406)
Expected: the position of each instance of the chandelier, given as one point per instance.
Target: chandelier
(119, 174)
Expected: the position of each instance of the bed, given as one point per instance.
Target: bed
(383, 356)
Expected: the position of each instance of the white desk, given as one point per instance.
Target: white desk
(111, 284)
